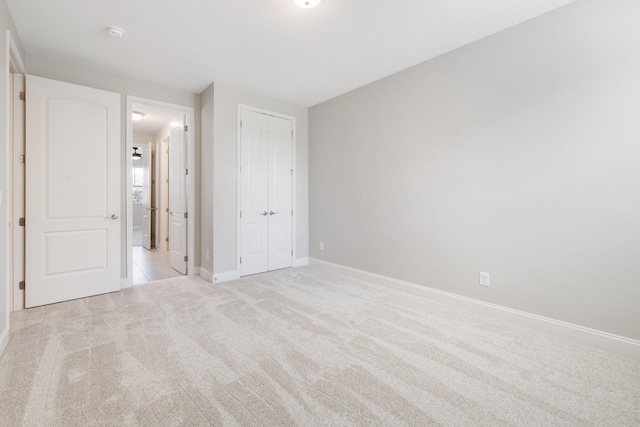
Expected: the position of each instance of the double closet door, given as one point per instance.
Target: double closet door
(266, 187)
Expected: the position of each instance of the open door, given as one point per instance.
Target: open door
(147, 197)
(178, 175)
(73, 191)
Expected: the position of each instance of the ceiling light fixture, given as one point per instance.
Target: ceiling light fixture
(136, 115)
(307, 4)
(136, 155)
(115, 31)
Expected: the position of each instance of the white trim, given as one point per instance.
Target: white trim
(300, 262)
(4, 339)
(610, 342)
(226, 276)
(206, 274)
(14, 55)
(191, 195)
(126, 283)
(12, 58)
(294, 188)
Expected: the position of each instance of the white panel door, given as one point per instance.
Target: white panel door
(254, 175)
(73, 191)
(280, 193)
(178, 200)
(147, 208)
(266, 186)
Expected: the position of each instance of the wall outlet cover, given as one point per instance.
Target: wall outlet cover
(484, 279)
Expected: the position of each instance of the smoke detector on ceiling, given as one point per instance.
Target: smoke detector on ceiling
(115, 31)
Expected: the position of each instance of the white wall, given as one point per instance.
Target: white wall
(51, 69)
(225, 105)
(518, 155)
(7, 30)
(206, 137)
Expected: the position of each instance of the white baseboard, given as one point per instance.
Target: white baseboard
(206, 274)
(126, 283)
(610, 342)
(196, 271)
(300, 262)
(4, 339)
(226, 276)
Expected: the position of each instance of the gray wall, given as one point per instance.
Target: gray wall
(206, 105)
(518, 155)
(56, 70)
(225, 108)
(6, 25)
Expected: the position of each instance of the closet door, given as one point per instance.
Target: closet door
(266, 187)
(254, 177)
(280, 193)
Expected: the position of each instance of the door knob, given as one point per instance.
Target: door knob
(114, 216)
(265, 213)
(272, 213)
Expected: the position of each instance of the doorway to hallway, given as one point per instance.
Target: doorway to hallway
(158, 192)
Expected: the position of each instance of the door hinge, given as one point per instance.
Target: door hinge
(240, 260)
(291, 212)
(240, 123)
(22, 96)
(186, 214)
(21, 285)
(291, 133)
(186, 171)
(186, 258)
(21, 222)
(240, 214)
(166, 239)
(186, 128)
(22, 158)
(167, 210)
(291, 172)
(291, 252)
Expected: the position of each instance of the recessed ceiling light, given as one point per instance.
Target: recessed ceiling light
(136, 115)
(115, 31)
(307, 4)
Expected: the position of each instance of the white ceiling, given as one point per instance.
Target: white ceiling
(269, 47)
(154, 118)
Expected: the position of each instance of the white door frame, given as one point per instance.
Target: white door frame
(127, 281)
(242, 107)
(14, 62)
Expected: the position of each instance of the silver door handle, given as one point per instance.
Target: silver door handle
(265, 213)
(272, 213)
(114, 216)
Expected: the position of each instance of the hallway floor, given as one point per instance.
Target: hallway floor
(151, 265)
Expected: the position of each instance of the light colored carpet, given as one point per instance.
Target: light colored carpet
(309, 347)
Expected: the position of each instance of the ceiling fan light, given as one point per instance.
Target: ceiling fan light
(136, 155)
(307, 4)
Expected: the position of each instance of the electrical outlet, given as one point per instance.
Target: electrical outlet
(321, 246)
(484, 279)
